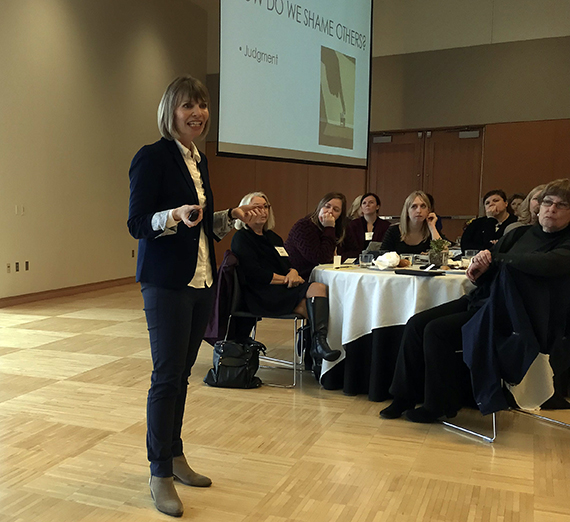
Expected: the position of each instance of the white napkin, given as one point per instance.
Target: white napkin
(388, 260)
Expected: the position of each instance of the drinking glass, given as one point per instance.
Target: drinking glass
(366, 259)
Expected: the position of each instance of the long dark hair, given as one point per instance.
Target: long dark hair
(340, 223)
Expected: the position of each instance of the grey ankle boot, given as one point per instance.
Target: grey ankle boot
(185, 474)
(318, 312)
(164, 494)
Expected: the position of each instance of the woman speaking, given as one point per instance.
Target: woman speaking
(171, 214)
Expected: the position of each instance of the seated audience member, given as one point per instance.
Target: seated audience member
(514, 202)
(438, 223)
(355, 210)
(361, 231)
(482, 233)
(425, 368)
(313, 239)
(272, 286)
(527, 210)
(416, 229)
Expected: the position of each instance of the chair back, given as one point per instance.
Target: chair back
(236, 302)
(224, 299)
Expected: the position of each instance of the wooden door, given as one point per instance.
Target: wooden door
(396, 168)
(452, 174)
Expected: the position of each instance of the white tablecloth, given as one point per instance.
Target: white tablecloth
(362, 299)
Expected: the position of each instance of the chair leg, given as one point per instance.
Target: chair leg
(486, 438)
(288, 364)
(541, 417)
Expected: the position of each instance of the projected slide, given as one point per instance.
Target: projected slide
(337, 99)
(295, 79)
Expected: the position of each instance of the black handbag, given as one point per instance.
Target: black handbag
(235, 365)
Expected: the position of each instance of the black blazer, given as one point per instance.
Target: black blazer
(160, 180)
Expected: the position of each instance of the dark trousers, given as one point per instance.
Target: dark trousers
(176, 322)
(426, 367)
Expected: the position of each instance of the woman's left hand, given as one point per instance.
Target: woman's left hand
(431, 219)
(479, 265)
(293, 279)
(245, 213)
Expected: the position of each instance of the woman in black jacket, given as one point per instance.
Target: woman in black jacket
(171, 214)
(482, 233)
(425, 368)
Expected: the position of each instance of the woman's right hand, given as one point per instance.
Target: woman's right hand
(183, 214)
(326, 218)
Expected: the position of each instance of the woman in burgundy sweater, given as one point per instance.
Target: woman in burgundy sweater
(313, 239)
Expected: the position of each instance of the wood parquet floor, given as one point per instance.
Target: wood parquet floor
(74, 373)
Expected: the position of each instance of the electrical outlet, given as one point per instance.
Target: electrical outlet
(27, 265)
(17, 266)
(8, 268)
(132, 253)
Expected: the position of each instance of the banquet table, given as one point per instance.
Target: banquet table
(368, 310)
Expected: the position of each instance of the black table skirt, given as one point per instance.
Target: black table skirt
(369, 365)
(368, 368)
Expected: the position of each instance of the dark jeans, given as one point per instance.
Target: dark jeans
(176, 322)
(426, 368)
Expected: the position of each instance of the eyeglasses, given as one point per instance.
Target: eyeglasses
(560, 205)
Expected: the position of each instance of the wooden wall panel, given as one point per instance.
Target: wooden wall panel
(452, 174)
(286, 187)
(231, 179)
(294, 189)
(516, 157)
(396, 170)
(322, 179)
(519, 156)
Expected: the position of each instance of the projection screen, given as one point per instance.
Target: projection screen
(295, 79)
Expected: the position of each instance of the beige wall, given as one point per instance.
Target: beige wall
(516, 81)
(411, 26)
(79, 88)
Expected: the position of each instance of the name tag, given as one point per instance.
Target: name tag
(368, 236)
(281, 251)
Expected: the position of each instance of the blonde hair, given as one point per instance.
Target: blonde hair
(182, 88)
(526, 217)
(405, 215)
(246, 200)
(355, 209)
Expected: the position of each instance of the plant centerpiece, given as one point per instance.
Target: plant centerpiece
(439, 251)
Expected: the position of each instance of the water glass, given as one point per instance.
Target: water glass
(366, 259)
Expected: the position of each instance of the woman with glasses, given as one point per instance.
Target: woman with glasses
(425, 369)
(272, 285)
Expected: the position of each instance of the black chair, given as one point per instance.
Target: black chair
(237, 309)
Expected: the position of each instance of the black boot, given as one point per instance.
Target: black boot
(318, 312)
